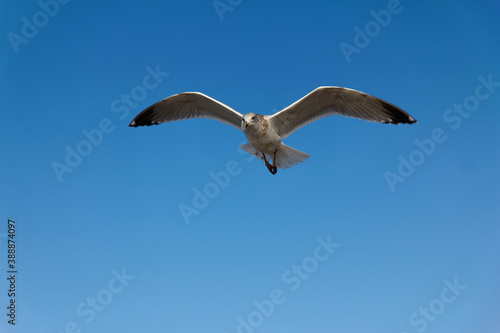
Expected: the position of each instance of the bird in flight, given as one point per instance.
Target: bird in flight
(265, 133)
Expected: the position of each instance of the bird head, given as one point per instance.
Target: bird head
(248, 119)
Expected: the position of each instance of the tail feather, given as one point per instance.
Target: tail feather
(286, 157)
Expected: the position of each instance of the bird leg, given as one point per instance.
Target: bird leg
(275, 168)
(272, 168)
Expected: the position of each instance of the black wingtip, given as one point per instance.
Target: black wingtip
(398, 116)
(135, 124)
(143, 119)
(409, 120)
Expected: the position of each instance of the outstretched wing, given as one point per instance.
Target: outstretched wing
(328, 101)
(186, 106)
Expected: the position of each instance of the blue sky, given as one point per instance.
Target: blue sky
(384, 229)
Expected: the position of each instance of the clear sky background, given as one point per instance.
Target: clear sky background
(102, 245)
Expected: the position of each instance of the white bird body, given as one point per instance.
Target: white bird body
(260, 134)
(263, 139)
(265, 133)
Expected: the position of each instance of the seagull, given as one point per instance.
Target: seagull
(266, 132)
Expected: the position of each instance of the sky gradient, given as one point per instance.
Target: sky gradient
(383, 229)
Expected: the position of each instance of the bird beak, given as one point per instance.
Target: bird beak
(245, 124)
